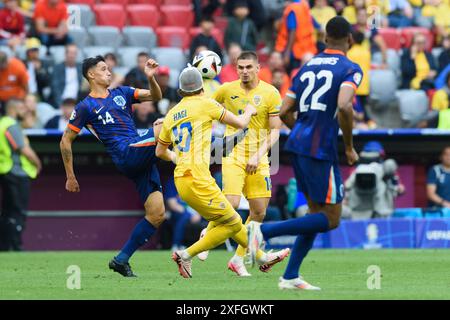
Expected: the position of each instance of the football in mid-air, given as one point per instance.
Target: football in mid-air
(208, 63)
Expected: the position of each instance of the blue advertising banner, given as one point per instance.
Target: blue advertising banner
(378, 234)
(433, 233)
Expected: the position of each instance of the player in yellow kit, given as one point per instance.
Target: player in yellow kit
(246, 170)
(187, 127)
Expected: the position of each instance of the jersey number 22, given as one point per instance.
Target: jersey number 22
(311, 77)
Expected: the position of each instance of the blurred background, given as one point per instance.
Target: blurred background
(398, 196)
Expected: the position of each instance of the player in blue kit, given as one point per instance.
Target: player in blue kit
(107, 114)
(322, 93)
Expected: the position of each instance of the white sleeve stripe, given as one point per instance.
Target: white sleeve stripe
(347, 85)
(291, 95)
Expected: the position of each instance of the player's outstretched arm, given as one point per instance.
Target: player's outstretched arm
(345, 118)
(287, 112)
(154, 94)
(163, 152)
(66, 153)
(241, 121)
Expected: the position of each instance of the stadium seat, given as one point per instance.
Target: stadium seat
(143, 15)
(128, 55)
(110, 15)
(174, 58)
(393, 60)
(216, 33)
(45, 112)
(59, 52)
(177, 16)
(105, 36)
(436, 52)
(173, 78)
(90, 3)
(392, 37)
(407, 213)
(121, 2)
(383, 84)
(221, 23)
(177, 2)
(413, 105)
(173, 37)
(121, 70)
(81, 15)
(407, 35)
(79, 36)
(152, 2)
(139, 36)
(94, 51)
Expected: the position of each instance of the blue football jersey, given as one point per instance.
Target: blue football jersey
(315, 89)
(109, 119)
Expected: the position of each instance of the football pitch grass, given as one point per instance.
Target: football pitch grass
(342, 274)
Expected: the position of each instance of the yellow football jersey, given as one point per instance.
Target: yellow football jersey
(188, 126)
(267, 101)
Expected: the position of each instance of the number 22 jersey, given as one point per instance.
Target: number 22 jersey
(315, 89)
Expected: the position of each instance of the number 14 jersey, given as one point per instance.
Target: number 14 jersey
(315, 89)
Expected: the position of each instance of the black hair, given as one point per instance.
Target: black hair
(207, 18)
(110, 55)
(240, 4)
(447, 78)
(338, 28)
(143, 54)
(358, 37)
(89, 63)
(251, 55)
(69, 102)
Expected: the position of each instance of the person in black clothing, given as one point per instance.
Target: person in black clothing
(136, 77)
(170, 95)
(256, 9)
(205, 38)
(145, 115)
(444, 57)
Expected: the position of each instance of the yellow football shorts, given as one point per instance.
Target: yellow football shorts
(236, 181)
(205, 197)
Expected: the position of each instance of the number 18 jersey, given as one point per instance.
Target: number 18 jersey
(315, 89)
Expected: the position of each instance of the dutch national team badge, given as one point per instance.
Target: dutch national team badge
(73, 115)
(357, 78)
(257, 100)
(120, 101)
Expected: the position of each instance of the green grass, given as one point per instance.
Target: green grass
(406, 274)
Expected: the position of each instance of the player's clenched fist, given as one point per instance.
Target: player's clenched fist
(352, 156)
(72, 185)
(150, 68)
(251, 109)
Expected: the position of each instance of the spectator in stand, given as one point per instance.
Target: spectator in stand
(400, 14)
(440, 103)
(60, 121)
(38, 70)
(339, 6)
(417, 65)
(373, 41)
(111, 62)
(359, 54)
(67, 77)
(12, 25)
(275, 65)
(350, 11)
(322, 12)
(438, 183)
(38, 112)
(257, 10)
(205, 38)
(229, 71)
(50, 18)
(136, 77)
(13, 78)
(144, 114)
(206, 8)
(169, 95)
(436, 13)
(296, 35)
(241, 29)
(444, 56)
(18, 165)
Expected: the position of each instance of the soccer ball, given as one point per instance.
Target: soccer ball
(208, 63)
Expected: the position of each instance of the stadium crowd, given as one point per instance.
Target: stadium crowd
(402, 46)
